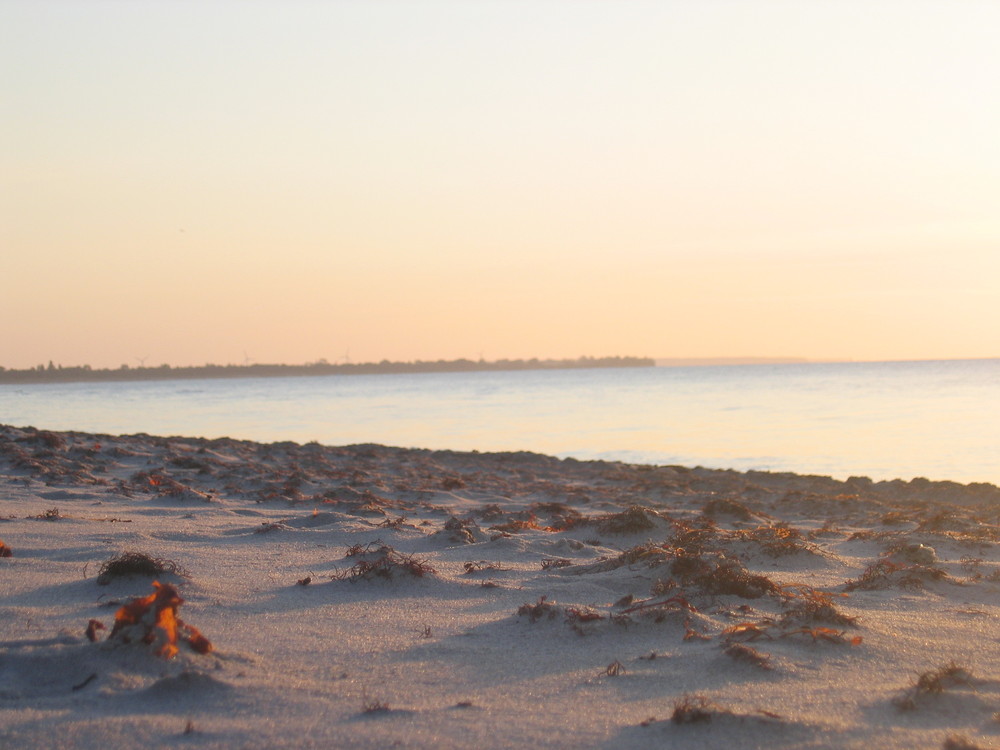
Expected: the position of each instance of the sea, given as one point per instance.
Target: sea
(884, 420)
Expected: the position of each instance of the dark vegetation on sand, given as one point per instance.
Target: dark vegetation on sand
(53, 373)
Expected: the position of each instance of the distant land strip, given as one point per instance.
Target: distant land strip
(84, 373)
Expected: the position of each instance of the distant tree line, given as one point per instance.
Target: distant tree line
(84, 373)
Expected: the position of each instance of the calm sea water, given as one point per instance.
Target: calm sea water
(939, 420)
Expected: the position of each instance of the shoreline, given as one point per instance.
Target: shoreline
(366, 596)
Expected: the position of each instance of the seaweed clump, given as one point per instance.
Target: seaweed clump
(691, 709)
(382, 561)
(775, 541)
(632, 520)
(722, 506)
(728, 576)
(884, 574)
(933, 682)
(575, 617)
(131, 563)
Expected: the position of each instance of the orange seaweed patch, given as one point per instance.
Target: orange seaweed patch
(153, 619)
(5, 550)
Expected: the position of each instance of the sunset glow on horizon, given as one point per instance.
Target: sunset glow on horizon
(287, 182)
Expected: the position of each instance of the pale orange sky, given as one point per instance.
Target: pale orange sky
(202, 182)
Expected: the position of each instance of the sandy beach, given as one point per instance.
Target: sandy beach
(182, 592)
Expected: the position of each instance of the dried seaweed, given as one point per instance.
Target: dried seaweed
(728, 576)
(725, 507)
(132, 563)
(632, 520)
(542, 608)
(383, 562)
(884, 574)
(748, 655)
(932, 682)
(691, 709)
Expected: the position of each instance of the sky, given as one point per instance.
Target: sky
(245, 181)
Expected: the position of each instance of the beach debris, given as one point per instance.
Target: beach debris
(749, 655)
(52, 514)
(723, 576)
(562, 516)
(806, 605)
(696, 539)
(829, 530)
(382, 561)
(690, 709)
(461, 531)
(913, 554)
(748, 631)
(676, 602)
(632, 520)
(615, 669)
(884, 574)
(722, 506)
(133, 563)
(477, 566)
(624, 601)
(894, 518)
(161, 484)
(491, 512)
(582, 614)
(452, 482)
(363, 549)
(650, 555)
(933, 682)
(516, 525)
(5, 551)
(153, 620)
(372, 706)
(86, 681)
(690, 634)
(92, 627)
(576, 617)
(778, 540)
(392, 523)
(828, 635)
(542, 608)
(573, 616)
(54, 441)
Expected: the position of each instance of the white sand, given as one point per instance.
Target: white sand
(445, 659)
